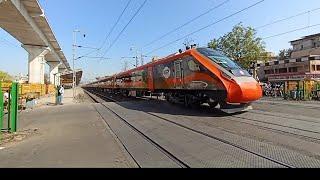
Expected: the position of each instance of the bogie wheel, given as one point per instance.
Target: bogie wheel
(186, 101)
(169, 98)
(214, 104)
(223, 105)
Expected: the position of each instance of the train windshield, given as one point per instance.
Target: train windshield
(222, 60)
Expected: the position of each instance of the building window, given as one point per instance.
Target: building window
(313, 67)
(283, 70)
(277, 71)
(267, 64)
(276, 63)
(318, 67)
(269, 72)
(299, 60)
(301, 47)
(287, 61)
(293, 69)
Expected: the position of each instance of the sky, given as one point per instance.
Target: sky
(95, 18)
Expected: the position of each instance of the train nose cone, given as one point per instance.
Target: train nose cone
(250, 92)
(245, 92)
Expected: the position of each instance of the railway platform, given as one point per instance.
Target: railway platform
(71, 135)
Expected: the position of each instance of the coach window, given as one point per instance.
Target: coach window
(138, 76)
(193, 66)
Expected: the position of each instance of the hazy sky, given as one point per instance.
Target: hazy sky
(96, 17)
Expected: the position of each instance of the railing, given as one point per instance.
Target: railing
(31, 90)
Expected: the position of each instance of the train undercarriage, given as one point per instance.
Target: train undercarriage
(190, 99)
(215, 99)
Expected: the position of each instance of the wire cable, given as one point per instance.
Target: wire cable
(121, 32)
(306, 27)
(185, 24)
(114, 26)
(205, 27)
(285, 19)
(110, 32)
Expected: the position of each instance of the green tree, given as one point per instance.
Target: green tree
(242, 45)
(5, 77)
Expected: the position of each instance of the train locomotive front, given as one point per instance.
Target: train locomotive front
(194, 77)
(204, 75)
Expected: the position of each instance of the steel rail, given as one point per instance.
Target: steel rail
(95, 100)
(283, 116)
(303, 136)
(143, 135)
(213, 137)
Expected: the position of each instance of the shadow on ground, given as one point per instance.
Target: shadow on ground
(163, 107)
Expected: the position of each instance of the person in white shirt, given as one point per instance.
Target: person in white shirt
(61, 93)
(6, 99)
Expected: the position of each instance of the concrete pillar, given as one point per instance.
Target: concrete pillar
(54, 73)
(36, 67)
(58, 80)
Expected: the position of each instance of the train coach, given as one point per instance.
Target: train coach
(193, 77)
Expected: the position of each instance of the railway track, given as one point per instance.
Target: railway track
(293, 131)
(290, 130)
(283, 116)
(179, 162)
(295, 105)
(234, 145)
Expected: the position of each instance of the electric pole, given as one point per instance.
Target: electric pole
(74, 46)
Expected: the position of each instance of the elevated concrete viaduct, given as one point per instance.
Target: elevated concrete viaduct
(25, 21)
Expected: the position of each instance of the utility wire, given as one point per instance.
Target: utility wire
(205, 27)
(111, 30)
(137, 12)
(114, 26)
(285, 19)
(188, 22)
(291, 31)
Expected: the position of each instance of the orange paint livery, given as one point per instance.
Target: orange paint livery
(193, 71)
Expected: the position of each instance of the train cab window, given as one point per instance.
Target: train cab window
(223, 61)
(193, 66)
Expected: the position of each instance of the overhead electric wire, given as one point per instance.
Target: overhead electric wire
(306, 27)
(121, 32)
(114, 26)
(111, 30)
(227, 17)
(188, 22)
(285, 19)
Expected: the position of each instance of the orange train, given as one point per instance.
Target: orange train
(194, 77)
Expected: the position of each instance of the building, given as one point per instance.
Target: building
(299, 73)
(22, 79)
(66, 78)
(306, 46)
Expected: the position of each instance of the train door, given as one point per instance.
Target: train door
(150, 79)
(178, 82)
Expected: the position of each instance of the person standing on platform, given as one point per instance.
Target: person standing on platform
(61, 93)
(6, 99)
(57, 94)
